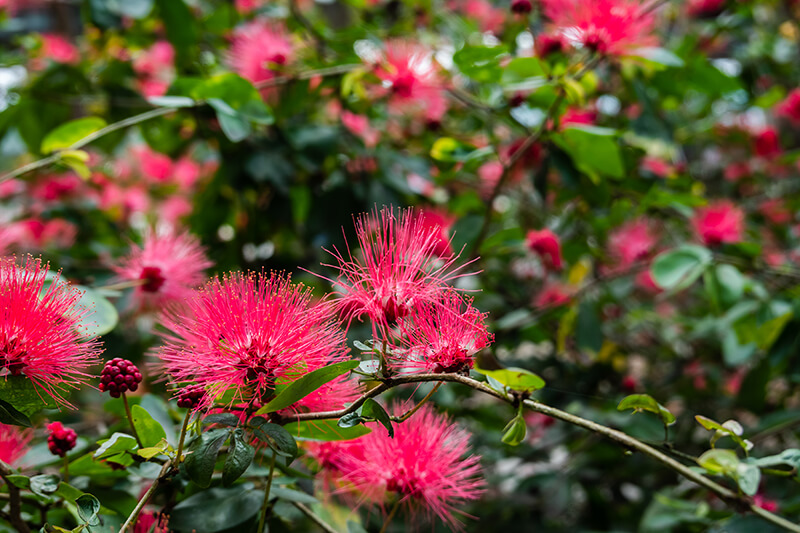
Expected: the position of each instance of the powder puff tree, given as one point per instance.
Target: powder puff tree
(13, 443)
(40, 333)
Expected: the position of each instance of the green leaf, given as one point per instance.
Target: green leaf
(202, 456)
(324, 430)
(305, 385)
(275, 436)
(719, 461)
(217, 509)
(660, 56)
(88, 507)
(135, 9)
(44, 485)
(76, 160)
(678, 268)
(515, 431)
(729, 428)
(229, 89)
(293, 495)
(150, 432)
(66, 135)
(101, 316)
(731, 284)
(481, 63)
(451, 150)
(24, 396)
(593, 150)
(748, 477)
(171, 101)
(118, 443)
(12, 417)
(517, 379)
(179, 23)
(223, 419)
(240, 455)
(645, 402)
(372, 409)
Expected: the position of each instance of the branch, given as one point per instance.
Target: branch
(131, 521)
(314, 518)
(15, 501)
(734, 499)
(307, 75)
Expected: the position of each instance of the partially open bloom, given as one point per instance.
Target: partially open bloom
(409, 74)
(790, 107)
(441, 337)
(605, 26)
(246, 333)
(719, 222)
(258, 48)
(546, 243)
(40, 332)
(60, 439)
(13, 443)
(398, 267)
(425, 467)
(631, 242)
(168, 266)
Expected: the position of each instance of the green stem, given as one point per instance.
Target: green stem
(130, 419)
(390, 516)
(265, 508)
(183, 436)
(314, 518)
(129, 523)
(416, 408)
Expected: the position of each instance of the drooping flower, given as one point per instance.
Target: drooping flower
(632, 242)
(719, 222)
(398, 267)
(605, 26)
(425, 468)
(790, 107)
(412, 80)
(246, 333)
(168, 265)
(546, 243)
(441, 337)
(13, 443)
(40, 332)
(258, 48)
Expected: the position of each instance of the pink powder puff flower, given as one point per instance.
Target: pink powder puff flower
(605, 26)
(790, 107)
(547, 245)
(552, 295)
(776, 211)
(247, 333)
(40, 332)
(547, 44)
(186, 172)
(151, 522)
(13, 443)
(489, 17)
(578, 117)
(258, 48)
(737, 171)
(155, 165)
(156, 61)
(442, 337)
(168, 266)
(440, 222)
(359, 126)
(410, 76)
(247, 6)
(489, 174)
(425, 468)
(173, 209)
(397, 268)
(644, 280)
(60, 50)
(719, 222)
(632, 242)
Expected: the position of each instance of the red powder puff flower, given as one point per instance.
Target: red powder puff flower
(410, 76)
(13, 443)
(552, 295)
(247, 333)
(790, 107)
(258, 47)
(605, 26)
(425, 468)
(441, 337)
(546, 244)
(719, 222)
(631, 242)
(766, 144)
(168, 266)
(40, 335)
(439, 222)
(398, 267)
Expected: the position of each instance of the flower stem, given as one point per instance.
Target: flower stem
(314, 518)
(130, 419)
(183, 436)
(129, 523)
(416, 408)
(390, 516)
(263, 520)
(66, 469)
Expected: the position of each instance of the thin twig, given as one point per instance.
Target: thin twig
(130, 419)
(315, 518)
(307, 75)
(14, 501)
(143, 501)
(265, 507)
(417, 407)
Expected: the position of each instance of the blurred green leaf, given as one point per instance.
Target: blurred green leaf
(305, 385)
(678, 268)
(68, 134)
(645, 402)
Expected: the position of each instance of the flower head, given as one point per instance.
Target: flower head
(247, 333)
(13, 443)
(546, 243)
(168, 266)
(398, 267)
(40, 332)
(790, 107)
(606, 26)
(60, 439)
(59, 49)
(425, 467)
(441, 337)
(258, 48)
(631, 242)
(718, 223)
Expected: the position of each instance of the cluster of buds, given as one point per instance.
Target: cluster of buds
(191, 397)
(118, 376)
(61, 439)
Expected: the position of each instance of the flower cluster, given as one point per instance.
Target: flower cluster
(61, 439)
